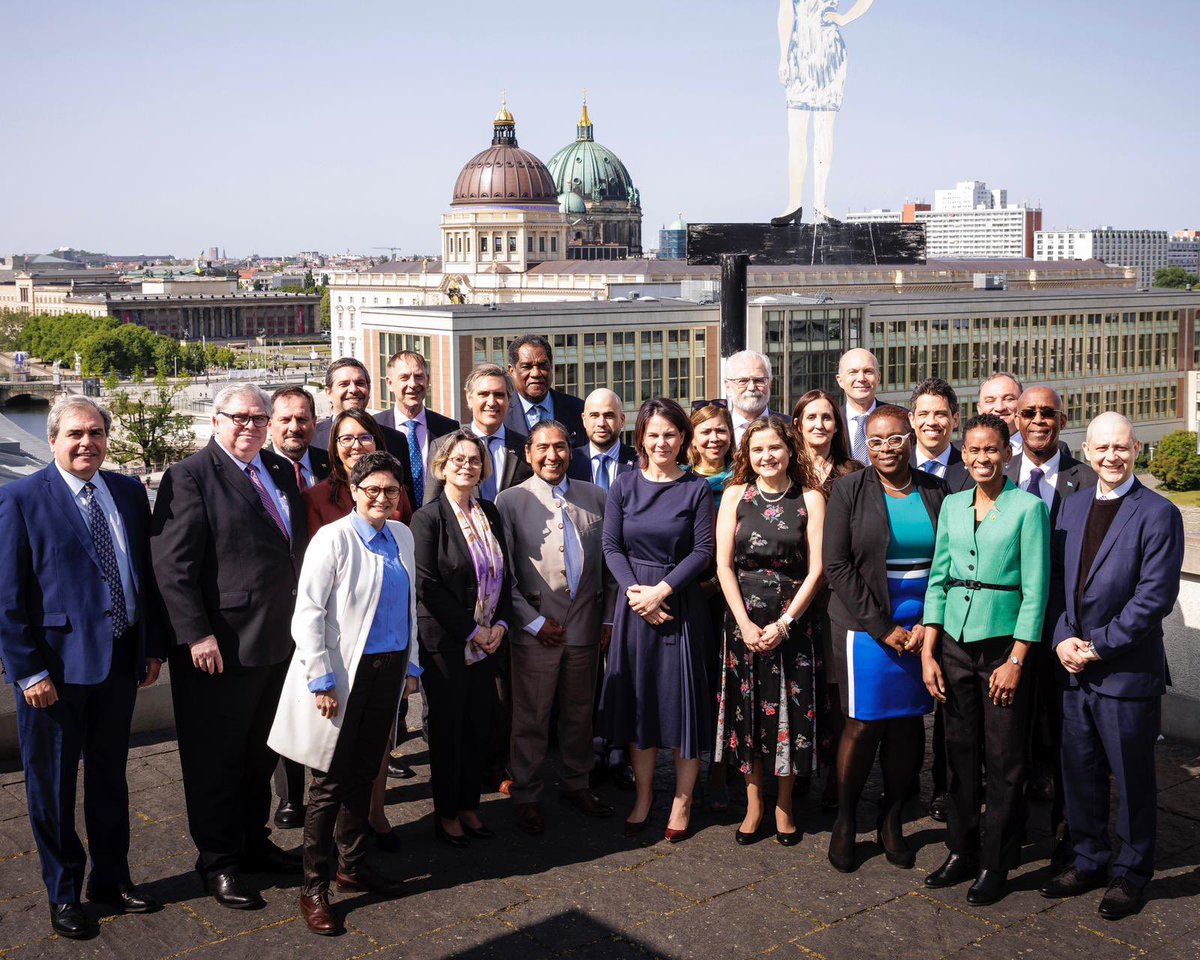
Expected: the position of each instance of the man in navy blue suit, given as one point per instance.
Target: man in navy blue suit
(531, 366)
(1122, 553)
(79, 632)
(604, 456)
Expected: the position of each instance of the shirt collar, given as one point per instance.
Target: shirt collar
(1049, 468)
(306, 462)
(499, 434)
(366, 532)
(559, 490)
(1118, 493)
(75, 484)
(611, 452)
(943, 458)
(851, 413)
(741, 420)
(242, 464)
(403, 418)
(547, 404)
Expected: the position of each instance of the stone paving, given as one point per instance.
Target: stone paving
(583, 891)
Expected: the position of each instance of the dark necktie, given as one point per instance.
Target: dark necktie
(415, 463)
(267, 502)
(102, 540)
(300, 481)
(1034, 485)
(491, 485)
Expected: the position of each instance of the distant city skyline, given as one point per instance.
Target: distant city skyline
(273, 128)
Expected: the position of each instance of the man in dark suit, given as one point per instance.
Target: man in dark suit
(1045, 469)
(79, 633)
(604, 456)
(531, 366)
(228, 538)
(408, 379)
(348, 387)
(1122, 552)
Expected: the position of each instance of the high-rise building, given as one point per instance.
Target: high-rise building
(1183, 250)
(1144, 249)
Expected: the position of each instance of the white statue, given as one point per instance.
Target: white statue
(812, 66)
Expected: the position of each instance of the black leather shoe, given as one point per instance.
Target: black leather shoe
(122, 896)
(1072, 882)
(481, 832)
(69, 920)
(955, 870)
(229, 890)
(289, 815)
(270, 859)
(937, 807)
(449, 839)
(988, 887)
(399, 770)
(1122, 900)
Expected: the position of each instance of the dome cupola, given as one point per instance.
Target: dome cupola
(504, 174)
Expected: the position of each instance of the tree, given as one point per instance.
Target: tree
(326, 322)
(1176, 463)
(310, 283)
(147, 427)
(1174, 277)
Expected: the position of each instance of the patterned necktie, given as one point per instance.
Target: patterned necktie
(415, 462)
(858, 446)
(102, 540)
(300, 481)
(488, 488)
(1035, 481)
(265, 498)
(537, 413)
(602, 480)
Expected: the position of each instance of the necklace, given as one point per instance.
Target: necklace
(893, 486)
(767, 499)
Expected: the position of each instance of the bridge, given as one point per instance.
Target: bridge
(29, 390)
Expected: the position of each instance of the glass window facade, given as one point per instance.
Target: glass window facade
(390, 344)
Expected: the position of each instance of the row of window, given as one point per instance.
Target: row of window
(458, 245)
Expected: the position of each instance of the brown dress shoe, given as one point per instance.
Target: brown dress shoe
(317, 915)
(587, 802)
(365, 880)
(530, 819)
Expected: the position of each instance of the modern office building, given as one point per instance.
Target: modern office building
(1146, 250)
(1183, 250)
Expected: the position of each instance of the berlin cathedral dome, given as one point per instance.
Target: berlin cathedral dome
(504, 173)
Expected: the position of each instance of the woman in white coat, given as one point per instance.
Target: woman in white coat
(355, 628)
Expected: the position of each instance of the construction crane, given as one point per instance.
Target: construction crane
(392, 251)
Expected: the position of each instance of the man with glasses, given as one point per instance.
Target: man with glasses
(408, 379)
(227, 541)
(531, 366)
(747, 389)
(604, 456)
(858, 376)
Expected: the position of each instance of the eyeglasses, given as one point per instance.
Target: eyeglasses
(350, 439)
(894, 442)
(1032, 413)
(718, 402)
(374, 493)
(473, 462)
(742, 382)
(245, 419)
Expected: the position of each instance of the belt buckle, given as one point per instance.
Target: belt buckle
(973, 584)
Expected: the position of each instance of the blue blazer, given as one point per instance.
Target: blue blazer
(54, 603)
(1131, 587)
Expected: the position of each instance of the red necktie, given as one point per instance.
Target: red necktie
(300, 481)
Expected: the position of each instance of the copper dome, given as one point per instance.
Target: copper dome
(504, 173)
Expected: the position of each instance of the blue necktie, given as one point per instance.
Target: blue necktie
(102, 540)
(930, 466)
(1035, 481)
(537, 413)
(416, 463)
(602, 480)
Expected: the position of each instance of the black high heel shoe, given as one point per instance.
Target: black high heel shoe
(440, 833)
(903, 857)
(482, 832)
(634, 827)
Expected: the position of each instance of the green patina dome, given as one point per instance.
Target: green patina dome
(591, 170)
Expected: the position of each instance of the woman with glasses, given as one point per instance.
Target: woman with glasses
(985, 603)
(464, 606)
(878, 545)
(769, 559)
(818, 420)
(354, 626)
(658, 542)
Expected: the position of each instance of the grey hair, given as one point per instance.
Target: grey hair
(231, 390)
(750, 355)
(70, 402)
(485, 370)
(1007, 376)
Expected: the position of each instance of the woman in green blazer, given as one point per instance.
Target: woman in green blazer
(986, 601)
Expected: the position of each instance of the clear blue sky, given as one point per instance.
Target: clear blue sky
(276, 126)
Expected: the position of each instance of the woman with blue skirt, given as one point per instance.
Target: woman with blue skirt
(878, 546)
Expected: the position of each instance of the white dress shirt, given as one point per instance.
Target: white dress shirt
(268, 482)
(1049, 476)
(609, 461)
(498, 450)
(741, 422)
(1118, 492)
(572, 549)
(850, 415)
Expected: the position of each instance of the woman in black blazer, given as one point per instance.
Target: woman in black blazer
(879, 533)
(464, 607)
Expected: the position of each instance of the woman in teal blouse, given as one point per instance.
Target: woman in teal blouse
(986, 599)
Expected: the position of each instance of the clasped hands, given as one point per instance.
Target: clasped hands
(761, 639)
(488, 639)
(649, 603)
(1075, 654)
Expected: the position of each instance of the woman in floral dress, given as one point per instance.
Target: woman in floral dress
(769, 564)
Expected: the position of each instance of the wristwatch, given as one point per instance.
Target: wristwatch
(1013, 659)
(786, 619)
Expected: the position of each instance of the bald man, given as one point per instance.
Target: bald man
(1121, 550)
(999, 394)
(858, 376)
(604, 455)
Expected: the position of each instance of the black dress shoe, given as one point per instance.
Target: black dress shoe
(744, 839)
(988, 887)
(229, 890)
(122, 896)
(270, 859)
(787, 839)
(449, 839)
(622, 777)
(955, 870)
(399, 770)
(1122, 900)
(69, 920)
(478, 833)
(937, 807)
(1072, 882)
(386, 841)
(289, 815)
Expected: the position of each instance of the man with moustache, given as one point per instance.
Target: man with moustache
(531, 366)
(747, 389)
(1122, 551)
(999, 394)
(604, 456)
(858, 376)
(563, 601)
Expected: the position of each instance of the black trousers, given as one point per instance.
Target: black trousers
(967, 668)
(341, 796)
(462, 703)
(222, 721)
(1045, 728)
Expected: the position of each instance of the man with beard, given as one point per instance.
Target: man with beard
(747, 390)
(604, 455)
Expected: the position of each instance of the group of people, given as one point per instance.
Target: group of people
(778, 594)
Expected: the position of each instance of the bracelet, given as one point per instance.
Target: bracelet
(784, 626)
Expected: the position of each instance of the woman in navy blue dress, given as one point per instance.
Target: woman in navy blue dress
(658, 543)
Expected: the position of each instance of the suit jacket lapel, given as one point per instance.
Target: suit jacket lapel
(238, 480)
(67, 505)
(1131, 506)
